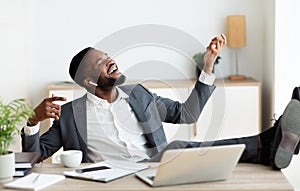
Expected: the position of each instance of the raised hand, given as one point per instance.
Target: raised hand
(212, 52)
(46, 109)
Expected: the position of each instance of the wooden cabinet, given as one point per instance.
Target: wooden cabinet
(234, 110)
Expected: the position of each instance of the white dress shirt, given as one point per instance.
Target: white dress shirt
(113, 132)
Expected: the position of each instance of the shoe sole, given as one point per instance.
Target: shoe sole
(290, 128)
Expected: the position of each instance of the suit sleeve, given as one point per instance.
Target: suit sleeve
(188, 112)
(46, 145)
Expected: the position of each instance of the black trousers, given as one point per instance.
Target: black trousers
(249, 155)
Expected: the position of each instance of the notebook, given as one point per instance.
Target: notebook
(19, 172)
(26, 159)
(182, 166)
(107, 171)
(34, 181)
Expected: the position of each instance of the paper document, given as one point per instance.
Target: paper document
(115, 170)
(34, 181)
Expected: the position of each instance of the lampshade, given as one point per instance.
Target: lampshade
(236, 31)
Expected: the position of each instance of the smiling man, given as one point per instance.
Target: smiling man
(114, 122)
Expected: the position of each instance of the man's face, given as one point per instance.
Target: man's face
(103, 70)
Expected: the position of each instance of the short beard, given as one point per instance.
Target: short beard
(111, 82)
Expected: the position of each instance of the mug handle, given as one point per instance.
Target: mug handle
(57, 158)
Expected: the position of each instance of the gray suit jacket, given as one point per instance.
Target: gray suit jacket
(70, 131)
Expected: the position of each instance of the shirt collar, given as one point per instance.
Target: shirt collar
(122, 94)
(96, 100)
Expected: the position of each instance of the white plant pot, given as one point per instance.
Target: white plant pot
(7, 167)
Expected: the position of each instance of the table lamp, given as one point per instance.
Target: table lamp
(236, 38)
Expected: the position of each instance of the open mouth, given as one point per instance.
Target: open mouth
(113, 68)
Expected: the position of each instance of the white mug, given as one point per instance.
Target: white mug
(70, 158)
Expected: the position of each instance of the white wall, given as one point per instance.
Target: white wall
(58, 29)
(268, 68)
(287, 66)
(14, 78)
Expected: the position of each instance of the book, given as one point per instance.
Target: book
(26, 159)
(34, 181)
(105, 171)
(19, 172)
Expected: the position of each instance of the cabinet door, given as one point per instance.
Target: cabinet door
(175, 131)
(232, 111)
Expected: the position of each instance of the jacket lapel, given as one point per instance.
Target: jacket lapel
(143, 105)
(136, 102)
(79, 110)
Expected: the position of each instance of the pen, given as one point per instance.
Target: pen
(36, 178)
(82, 170)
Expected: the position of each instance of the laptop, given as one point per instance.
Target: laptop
(193, 165)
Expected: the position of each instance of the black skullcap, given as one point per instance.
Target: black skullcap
(76, 61)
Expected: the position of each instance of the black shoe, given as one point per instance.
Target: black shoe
(296, 95)
(287, 136)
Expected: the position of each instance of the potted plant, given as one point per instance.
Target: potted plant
(12, 115)
(198, 58)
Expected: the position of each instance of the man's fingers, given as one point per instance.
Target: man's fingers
(55, 115)
(53, 105)
(224, 38)
(218, 46)
(213, 46)
(53, 110)
(56, 98)
(50, 114)
(217, 39)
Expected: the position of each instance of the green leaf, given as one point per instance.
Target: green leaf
(12, 115)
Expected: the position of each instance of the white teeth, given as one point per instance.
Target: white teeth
(113, 68)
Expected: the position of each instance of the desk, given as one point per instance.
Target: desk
(245, 177)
